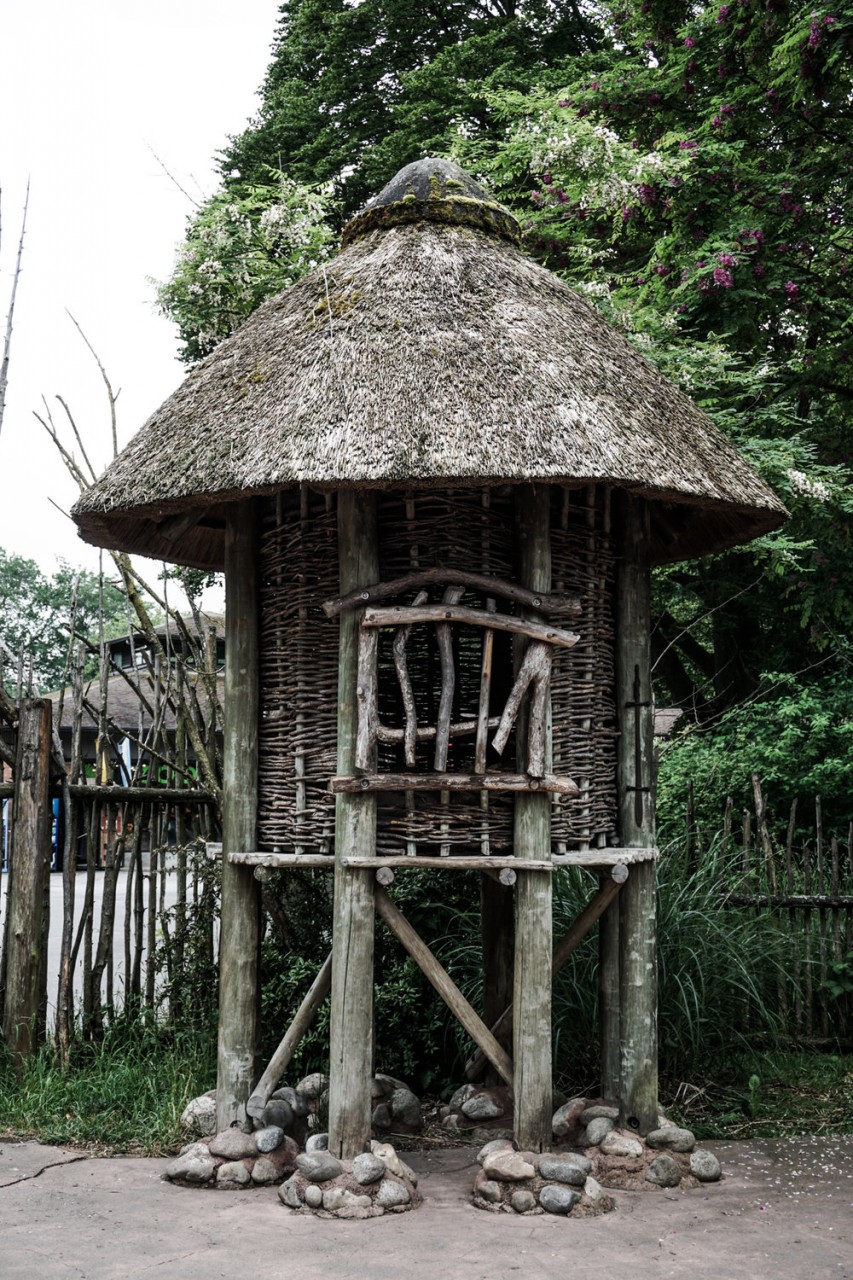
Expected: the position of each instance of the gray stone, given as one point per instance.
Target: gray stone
(482, 1107)
(386, 1085)
(405, 1107)
(391, 1194)
(490, 1191)
(233, 1173)
(317, 1142)
(671, 1138)
(279, 1113)
(620, 1144)
(523, 1201)
(382, 1116)
(386, 1153)
(288, 1193)
(507, 1166)
(563, 1169)
(593, 1189)
(453, 1124)
(294, 1100)
(408, 1172)
(663, 1172)
(268, 1139)
(318, 1166)
(367, 1168)
(339, 1198)
(313, 1086)
(566, 1116)
(497, 1144)
(461, 1096)
(557, 1199)
(600, 1112)
(192, 1168)
(265, 1171)
(313, 1196)
(596, 1131)
(705, 1166)
(195, 1149)
(199, 1115)
(233, 1144)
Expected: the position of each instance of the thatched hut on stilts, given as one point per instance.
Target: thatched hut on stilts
(436, 481)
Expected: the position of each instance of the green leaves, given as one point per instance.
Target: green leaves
(246, 244)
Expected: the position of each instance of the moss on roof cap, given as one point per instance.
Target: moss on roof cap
(433, 190)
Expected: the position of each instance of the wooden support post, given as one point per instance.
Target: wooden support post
(638, 1085)
(26, 930)
(351, 1026)
(532, 838)
(609, 1028)
(497, 917)
(240, 924)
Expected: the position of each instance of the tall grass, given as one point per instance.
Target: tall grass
(124, 1092)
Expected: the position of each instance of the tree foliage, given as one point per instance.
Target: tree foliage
(36, 612)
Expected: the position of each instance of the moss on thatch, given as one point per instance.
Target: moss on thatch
(427, 353)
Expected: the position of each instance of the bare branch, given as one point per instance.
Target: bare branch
(112, 396)
(7, 341)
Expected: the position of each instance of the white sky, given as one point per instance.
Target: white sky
(87, 89)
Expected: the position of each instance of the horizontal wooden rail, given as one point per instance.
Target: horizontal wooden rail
(122, 795)
(478, 862)
(400, 616)
(604, 857)
(561, 786)
(550, 604)
(815, 902)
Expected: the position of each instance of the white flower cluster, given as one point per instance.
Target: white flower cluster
(610, 171)
(807, 488)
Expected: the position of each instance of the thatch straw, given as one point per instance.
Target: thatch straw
(426, 352)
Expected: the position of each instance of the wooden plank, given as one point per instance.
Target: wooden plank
(637, 922)
(569, 606)
(352, 784)
(302, 1020)
(604, 857)
(26, 928)
(305, 860)
(532, 841)
(440, 979)
(240, 923)
(351, 1017)
(476, 862)
(398, 616)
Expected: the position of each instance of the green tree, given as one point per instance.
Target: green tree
(36, 613)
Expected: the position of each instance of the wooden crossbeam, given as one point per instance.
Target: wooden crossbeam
(302, 1020)
(554, 783)
(441, 980)
(569, 606)
(399, 615)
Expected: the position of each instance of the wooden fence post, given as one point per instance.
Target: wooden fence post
(30, 867)
(240, 922)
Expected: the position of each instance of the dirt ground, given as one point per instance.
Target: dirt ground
(784, 1211)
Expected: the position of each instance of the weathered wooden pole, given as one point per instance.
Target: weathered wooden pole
(497, 916)
(351, 1018)
(26, 931)
(240, 923)
(638, 1086)
(532, 839)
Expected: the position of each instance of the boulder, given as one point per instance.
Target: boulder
(663, 1172)
(318, 1166)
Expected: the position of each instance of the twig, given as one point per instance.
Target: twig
(7, 341)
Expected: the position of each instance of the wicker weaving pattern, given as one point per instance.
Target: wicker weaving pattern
(471, 529)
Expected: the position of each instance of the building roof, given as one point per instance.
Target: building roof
(431, 350)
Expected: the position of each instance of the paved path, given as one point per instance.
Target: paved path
(783, 1212)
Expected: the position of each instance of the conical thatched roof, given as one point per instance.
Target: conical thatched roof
(430, 350)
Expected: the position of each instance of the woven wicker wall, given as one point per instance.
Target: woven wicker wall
(471, 529)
